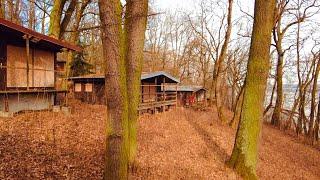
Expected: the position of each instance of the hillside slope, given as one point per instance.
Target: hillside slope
(194, 145)
(181, 144)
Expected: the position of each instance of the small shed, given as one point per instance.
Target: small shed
(28, 67)
(91, 88)
(189, 94)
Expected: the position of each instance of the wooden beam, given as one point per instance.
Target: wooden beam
(27, 38)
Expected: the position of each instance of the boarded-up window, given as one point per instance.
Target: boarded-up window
(88, 87)
(16, 62)
(41, 67)
(77, 87)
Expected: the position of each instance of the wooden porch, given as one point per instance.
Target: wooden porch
(155, 98)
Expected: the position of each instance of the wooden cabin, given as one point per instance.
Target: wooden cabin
(28, 68)
(189, 95)
(154, 94)
(91, 88)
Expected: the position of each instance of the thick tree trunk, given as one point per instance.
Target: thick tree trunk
(66, 20)
(55, 18)
(116, 90)
(135, 27)
(2, 10)
(245, 152)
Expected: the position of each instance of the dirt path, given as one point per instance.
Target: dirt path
(181, 144)
(172, 146)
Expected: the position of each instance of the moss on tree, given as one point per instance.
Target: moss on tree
(245, 152)
(135, 27)
(116, 92)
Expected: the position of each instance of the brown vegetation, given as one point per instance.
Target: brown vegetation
(182, 144)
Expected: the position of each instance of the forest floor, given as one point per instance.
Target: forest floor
(180, 144)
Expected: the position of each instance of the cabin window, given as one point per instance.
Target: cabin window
(88, 87)
(77, 87)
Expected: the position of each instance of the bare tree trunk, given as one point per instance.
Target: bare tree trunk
(2, 10)
(218, 65)
(245, 152)
(75, 29)
(237, 111)
(302, 116)
(10, 10)
(313, 101)
(55, 18)
(135, 27)
(116, 90)
(67, 17)
(317, 124)
(293, 110)
(43, 18)
(271, 100)
(276, 116)
(32, 18)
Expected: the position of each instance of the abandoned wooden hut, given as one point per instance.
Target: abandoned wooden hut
(28, 68)
(90, 89)
(154, 94)
(189, 95)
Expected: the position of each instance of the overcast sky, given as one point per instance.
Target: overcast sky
(175, 4)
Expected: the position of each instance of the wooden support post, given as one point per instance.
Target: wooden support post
(6, 104)
(163, 93)
(27, 37)
(156, 89)
(176, 95)
(142, 94)
(32, 68)
(67, 70)
(149, 93)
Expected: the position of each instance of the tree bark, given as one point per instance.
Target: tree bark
(219, 62)
(2, 10)
(135, 27)
(55, 18)
(116, 166)
(66, 20)
(311, 131)
(276, 116)
(271, 100)
(317, 124)
(245, 151)
(237, 111)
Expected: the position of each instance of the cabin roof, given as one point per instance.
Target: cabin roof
(89, 76)
(186, 88)
(150, 75)
(144, 76)
(15, 33)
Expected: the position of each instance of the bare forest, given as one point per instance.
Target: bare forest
(159, 89)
